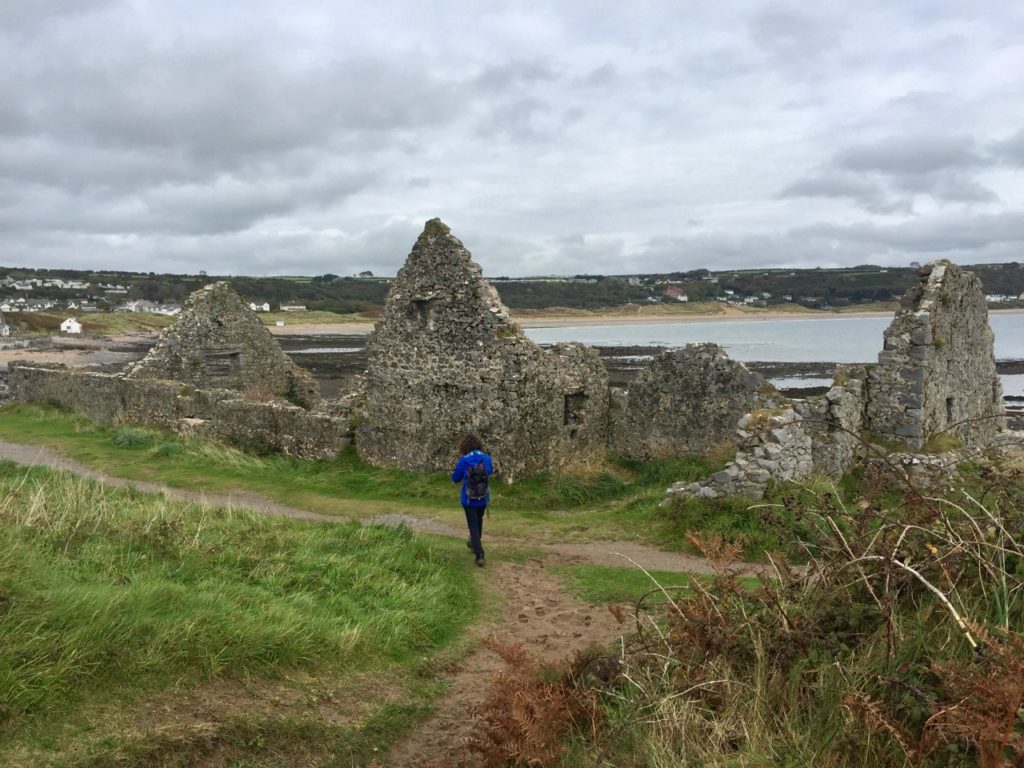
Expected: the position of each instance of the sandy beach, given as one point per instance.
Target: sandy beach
(728, 314)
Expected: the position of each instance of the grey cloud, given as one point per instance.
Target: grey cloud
(223, 100)
(721, 64)
(253, 137)
(226, 204)
(883, 176)
(866, 192)
(793, 37)
(933, 234)
(1011, 150)
(380, 249)
(521, 118)
(21, 15)
(518, 73)
(946, 185)
(910, 154)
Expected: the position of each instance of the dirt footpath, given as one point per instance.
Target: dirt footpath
(537, 611)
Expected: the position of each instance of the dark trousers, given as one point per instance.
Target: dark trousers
(475, 523)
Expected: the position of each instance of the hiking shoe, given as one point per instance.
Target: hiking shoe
(479, 562)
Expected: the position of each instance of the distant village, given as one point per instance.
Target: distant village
(78, 293)
(95, 297)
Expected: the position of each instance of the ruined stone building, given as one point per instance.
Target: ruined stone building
(215, 373)
(446, 359)
(936, 375)
(937, 370)
(217, 342)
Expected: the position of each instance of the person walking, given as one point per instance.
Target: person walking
(473, 471)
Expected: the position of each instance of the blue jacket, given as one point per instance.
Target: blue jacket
(461, 474)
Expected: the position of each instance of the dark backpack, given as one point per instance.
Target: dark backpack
(476, 482)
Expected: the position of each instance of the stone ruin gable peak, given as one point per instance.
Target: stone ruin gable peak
(217, 342)
(936, 372)
(440, 296)
(445, 359)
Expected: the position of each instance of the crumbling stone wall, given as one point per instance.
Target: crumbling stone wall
(217, 342)
(816, 436)
(686, 401)
(835, 422)
(446, 359)
(218, 414)
(936, 372)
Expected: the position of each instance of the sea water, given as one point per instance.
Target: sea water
(843, 339)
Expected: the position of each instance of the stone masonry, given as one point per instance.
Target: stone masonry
(936, 372)
(217, 342)
(446, 359)
(685, 402)
(817, 436)
(219, 414)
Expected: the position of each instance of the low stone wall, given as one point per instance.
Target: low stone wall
(819, 436)
(216, 414)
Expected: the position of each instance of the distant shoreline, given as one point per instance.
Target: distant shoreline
(568, 321)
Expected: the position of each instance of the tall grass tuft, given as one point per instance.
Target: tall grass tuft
(116, 590)
(901, 643)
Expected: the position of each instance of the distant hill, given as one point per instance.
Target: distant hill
(815, 288)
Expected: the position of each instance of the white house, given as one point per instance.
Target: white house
(293, 308)
(71, 326)
(264, 307)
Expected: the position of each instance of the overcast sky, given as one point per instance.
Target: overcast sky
(265, 137)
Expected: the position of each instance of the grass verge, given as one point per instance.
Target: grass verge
(615, 501)
(137, 630)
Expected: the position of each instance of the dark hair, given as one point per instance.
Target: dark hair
(470, 443)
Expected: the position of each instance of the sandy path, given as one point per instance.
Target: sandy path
(538, 613)
(536, 609)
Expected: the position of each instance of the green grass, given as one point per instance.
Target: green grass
(617, 501)
(93, 322)
(311, 318)
(599, 584)
(112, 599)
(605, 584)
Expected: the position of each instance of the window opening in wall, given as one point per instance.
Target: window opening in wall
(575, 404)
(949, 410)
(423, 312)
(223, 368)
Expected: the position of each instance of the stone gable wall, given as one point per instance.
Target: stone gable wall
(936, 372)
(446, 359)
(217, 342)
(685, 402)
